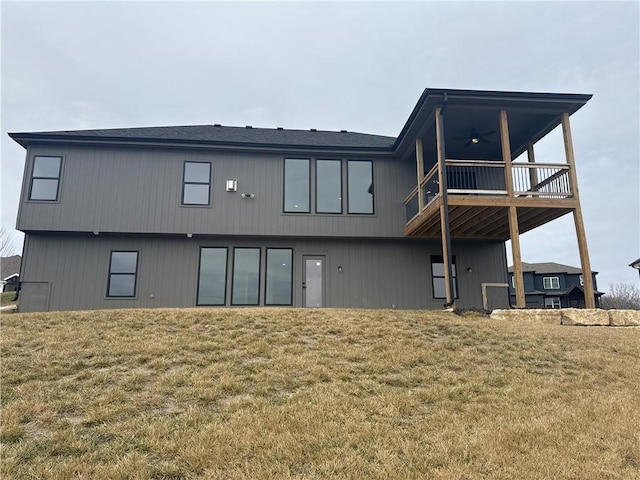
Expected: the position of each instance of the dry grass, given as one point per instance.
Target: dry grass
(284, 393)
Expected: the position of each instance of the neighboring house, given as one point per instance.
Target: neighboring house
(552, 285)
(9, 273)
(636, 265)
(254, 216)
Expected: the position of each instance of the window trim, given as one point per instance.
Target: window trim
(135, 275)
(373, 190)
(551, 283)
(552, 303)
(284, 187)
(226, 272)
(233, 272)
(433, 277)
(33, 177)
(340, 162)
(185, 183)
(266, 276)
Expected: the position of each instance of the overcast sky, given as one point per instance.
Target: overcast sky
(356, 66)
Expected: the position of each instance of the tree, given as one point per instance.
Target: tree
(621, 296)
(6, 243)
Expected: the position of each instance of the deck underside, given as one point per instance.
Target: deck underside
(476, 217)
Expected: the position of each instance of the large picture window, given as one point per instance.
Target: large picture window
(328, 186)
(196, 186)
(296, 185)
(279, 276)
(45, 178)
(437, 276)
(246, 276)
(360, 186)
(212, 277)
(123, 272)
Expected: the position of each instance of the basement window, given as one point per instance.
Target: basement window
(437, 276)
(212, 276)
(123, 273)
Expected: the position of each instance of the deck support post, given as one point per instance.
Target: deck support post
(533, 173)
(514, 232)
(420, 167)
(444, 208)
(587, 278)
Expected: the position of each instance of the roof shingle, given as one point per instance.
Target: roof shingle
(222, 135)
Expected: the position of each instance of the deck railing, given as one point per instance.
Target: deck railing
(545, 180)
(487, 178)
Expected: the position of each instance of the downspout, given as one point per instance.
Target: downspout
(445, 203)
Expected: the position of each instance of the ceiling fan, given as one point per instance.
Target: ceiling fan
(476, 137)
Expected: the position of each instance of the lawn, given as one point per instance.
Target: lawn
(286, 393)
(6, 298)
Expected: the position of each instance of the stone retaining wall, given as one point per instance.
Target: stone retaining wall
(573, 316)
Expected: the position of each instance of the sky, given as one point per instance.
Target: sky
(359, 66)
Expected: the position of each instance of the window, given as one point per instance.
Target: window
(328, 186)
(551, 283)
(196, 183)
(296, 185)
(513, 281)
(123, 271)
(246, 276)
(360, 186)
(279, 273)
(552, 302)
(212, 277)
(437, 275)
(45, 178)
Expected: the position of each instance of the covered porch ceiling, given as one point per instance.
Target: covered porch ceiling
(474, 113)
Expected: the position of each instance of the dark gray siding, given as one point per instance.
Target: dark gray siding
(139, 191)
(375, 273)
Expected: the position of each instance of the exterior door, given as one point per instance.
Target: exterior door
(313, 281)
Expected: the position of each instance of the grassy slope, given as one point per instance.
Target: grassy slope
(6, 298)
(282, 393)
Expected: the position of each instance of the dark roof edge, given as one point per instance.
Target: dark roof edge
(578, 98)
(27, 139)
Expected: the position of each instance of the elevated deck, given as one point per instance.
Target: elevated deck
(478, 202)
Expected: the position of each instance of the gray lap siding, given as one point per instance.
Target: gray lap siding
(374, 273)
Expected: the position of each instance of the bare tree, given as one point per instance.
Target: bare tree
(6, 243)
(621, 296)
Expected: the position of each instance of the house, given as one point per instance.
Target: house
(636, 265)
(552, 285)
(270, 216)
(10, 273)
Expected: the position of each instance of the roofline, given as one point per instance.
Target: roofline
(447, 94)
(29, 139)
(439, 95)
